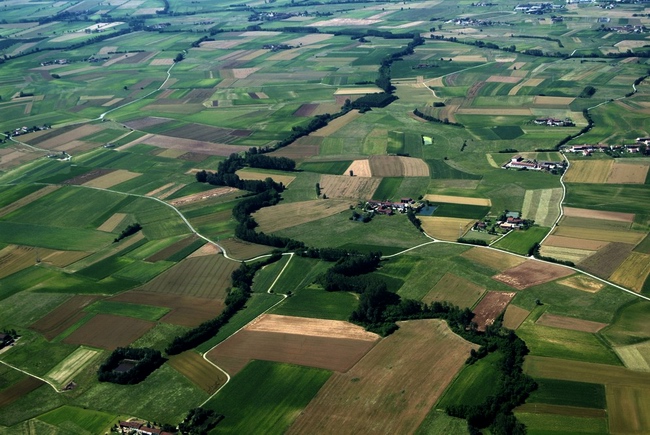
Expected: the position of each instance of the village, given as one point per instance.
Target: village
(640, 147)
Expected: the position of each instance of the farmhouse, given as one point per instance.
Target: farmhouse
(518, 162)
(136, 427)
(566, 122)
(388, 208)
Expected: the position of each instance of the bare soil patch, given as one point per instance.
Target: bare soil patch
(149, 121)
(359, 168)
(347, 92)
(107, 331)
(63, 258)
(458, 199)
(582, 283)
(398, 166)
(627, 173)
(514, 316)
(340, 186)
(28, 199)
(202, 196)
(190, 145)
(571, 242)
(68, 136)
(597, 214)
(111, 179)
(281, 216)
(490, 307)
(306, 109)
(62, 317)
(207, 249)
(446, 228)
(88, 176)
(393, 387)
(530, 273)
(492, 258)
(469, 58)
(244, 250)
(18, 390)
(571, 323)
(414, 167)
(185, 310)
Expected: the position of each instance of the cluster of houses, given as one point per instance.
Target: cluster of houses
(277, 47)
(468, 21)
(389, 208)
(518, 162)
(55, 62)
(628, 28)
(641, 146)
(137, 427)
(510, 220)
(537, 8)
(25, 130)
(566, 122)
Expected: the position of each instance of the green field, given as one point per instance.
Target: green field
(461, 211)
(266, 397)
(387, 188)
(318, 303)
(333, 168)
(145, 312)
(474, 384)
(569, 393)
(74, 419)
(539, 424)
(522, 241)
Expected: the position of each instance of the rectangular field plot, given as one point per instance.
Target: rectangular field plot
(393, 387)
(598, 214)
(514, 316)
(636, 356)
(397, 166)
(632, 273)
(589, 171)
(628, 173)
(281, 216)
(551, 423)
(114, 178)
(542, 206)
(109, 332)
(456, 290)
(521, 241)
(78, 420)
(490, 307)
(243, 250)
(493, 259)
(458, 200)
(252, 175)
(341, 186)
(63, 317)
(569, 393)
(571, 323)
(73, 364)
(446, 228)
(185, 310)
(605, 262)
(203, 373)
(530, 273)
(203, 277)
(18, 390)
(327, 344)
(582, 283)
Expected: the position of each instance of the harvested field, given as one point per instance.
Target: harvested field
(582, 283)
(107, 331)
(597, 214)
(635, 356)
(281, 216)
(542, 206)
(336, 124)
(359, 168)
(18, 390)
(357, 91)
(599, 234)
(446, 228)
(571, 242)
(63, 317)
(243, 250)
(530, 273)
(514, 316)
(566, 254)
(73, 364)
(202, 196)
(604, 262)
(503, 79)
(28, 199)
(469, 58)
(109, 180)
(203, 277)
(456, 290)
(632, 273)
(14, 258)
(397, 166)
(340, 186)
(251, 175)
(300, 150)
(185, 310)
(458, 199)
(627, 408)
(172, 249)
(68, 136)
(207, 249)
(571, 323)
(589, 171)
(63, 258)
(205, 132)
(87, 177)
(552, 101)
(627, 173)
(203, 374)
(490, 307)
(329, 344)
(393, 387)
(112, 222)
(197, 146)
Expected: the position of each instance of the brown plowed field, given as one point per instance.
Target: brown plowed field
(69, 136)
(63, 317)
(281, 216)
(329, 344)
(627, 173)
(169, 142)
(632, 273)
(63, 258)
(514, 316)
(300, 150)
(27, 199)
(207, 133)
(571, 323)
(172, 249)
(393, 387)
(305, 109)
(530, 273)
(493, 259)
(14, 258)
(185, 310)
(252, 175)
(582, 283)
(503, 79)
(191, 365)
(18, 390)
(341, 186)
(107, 331)
(490, 307)
(597, 214)
(359, 168)
(604, 262)
(589, 171)
(397, 166)
(244, 250)
(203, 277)
(109, 180)
(456, 290)
(571, 242)
(88, 176)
